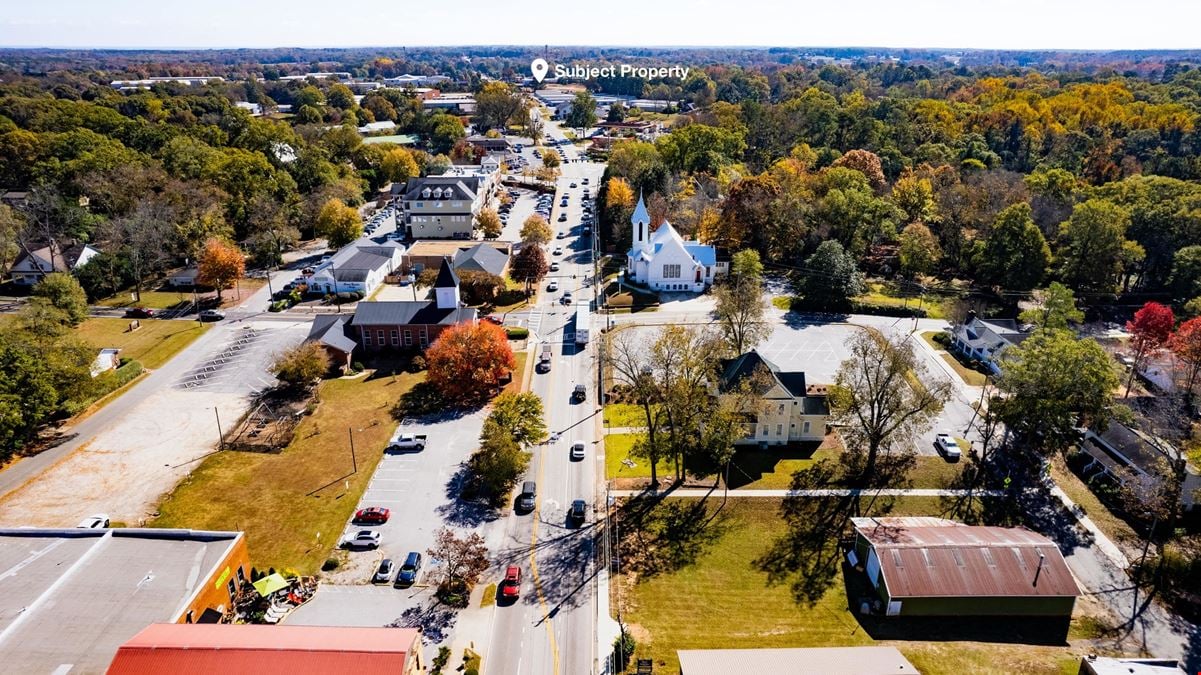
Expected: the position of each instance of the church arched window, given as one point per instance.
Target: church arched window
(639, 231)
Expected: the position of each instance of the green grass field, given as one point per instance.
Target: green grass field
(719, 598)
(284, 501)
(617, 448)
(624, 415)
(153, 344)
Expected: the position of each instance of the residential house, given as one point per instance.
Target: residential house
(331, 332)
(81, 593)
(358, 267)
(482, 258)
(14, 198)
(789, 410)
(1125, 456)
(270, 650)
(443, 207)
(923, 566)
(33, 266)
(985, 339)
(382, 326)
(255, 109)
(796, 661)
(663, 261)
(183, 278)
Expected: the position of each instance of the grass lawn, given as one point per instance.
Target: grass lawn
(679, 609)
(878, 294)
(928, 336)
(617, 448)
(152, 299)
(284, 501)
(1114, 527)
(772, 468)
(518, 382)
(783, 302)
(624, 415)
(972, 378)
(153, 344)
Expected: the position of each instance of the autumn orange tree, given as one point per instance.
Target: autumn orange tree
(469, 361)
(221, 263)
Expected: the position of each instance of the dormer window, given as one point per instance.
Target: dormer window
(425, 193)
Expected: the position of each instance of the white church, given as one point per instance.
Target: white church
(663, 261)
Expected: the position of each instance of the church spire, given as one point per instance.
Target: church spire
(640, 224)
(640, 213)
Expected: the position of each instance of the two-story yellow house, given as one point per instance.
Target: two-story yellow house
(788, 410)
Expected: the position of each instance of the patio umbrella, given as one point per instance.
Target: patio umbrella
(270, 584)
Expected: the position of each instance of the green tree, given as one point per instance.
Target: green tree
(741, 310)
(915, 198)
(1185, 280)
(1053, 384)
(1093, 249)
(919, 250)
(63, 292)
(307, 114)
(1015, 255)
(309, 95)
(700, 148)
(1056, 308)
(583, 111)
(339, 223)
(446, 130)
(520, 415)
(11, 226)
(496, 466)
(496, 103)
(746, 264)
(302, 365)
(830, 277)
(616, 114)
(340, 96)
(550, 160)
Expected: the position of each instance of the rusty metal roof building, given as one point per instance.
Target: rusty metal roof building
(200, 649)
(930, 558)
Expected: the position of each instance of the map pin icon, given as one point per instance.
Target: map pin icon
(539, 68)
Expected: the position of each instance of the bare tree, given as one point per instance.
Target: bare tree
(884, 398)
(629, 359)
(684, 362)
(741, 312)
(144, 237)
(463, 560)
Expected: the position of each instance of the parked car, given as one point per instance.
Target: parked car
(362, 539)
(211, 315)
(139, 313)
(383, 574)
(579, 394)
(525, 500)
(98, 521)
(584, 181)
(492, 318)
(372, 515)
(409, 571)
(577, 451)
(510, 588)
(560, 235)
(947, 445)
(578, 512)
(402, 442)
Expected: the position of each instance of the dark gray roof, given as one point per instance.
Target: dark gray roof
(482, 258)
(408, 312)
(989, 334)
(461, 187)
(446, 276)
(735, 370)
(330, 330)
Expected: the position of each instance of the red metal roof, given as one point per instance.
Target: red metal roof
(933, 557)
(187, 649)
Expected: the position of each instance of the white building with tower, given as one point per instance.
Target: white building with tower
(663, 261)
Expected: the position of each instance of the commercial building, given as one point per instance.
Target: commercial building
(936, 567)
(69, 598)
(1105, 665)
(799, 661)
(358, 267)
(446, 206)
(984, 340)
(429, 253)
(270, 650)
(405, 324)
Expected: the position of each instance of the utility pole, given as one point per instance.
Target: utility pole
(354, 462)
(220, 434)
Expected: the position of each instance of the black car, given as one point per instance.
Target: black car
(579, 394)
(578, 512)
(409, 571)
(384, 573)
(525, 501)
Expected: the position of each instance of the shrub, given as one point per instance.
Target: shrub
(943, 339)
(330, 565)
(440, 660)
(623, 651)
(517, 333)
(471, 671)
(357, 366)
(418, 363)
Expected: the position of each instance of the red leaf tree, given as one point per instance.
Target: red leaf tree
(1185, 343)
(1149, 332)
(469, 361)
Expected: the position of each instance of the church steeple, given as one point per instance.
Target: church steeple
(641, 222)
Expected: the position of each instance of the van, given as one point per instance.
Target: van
(525, 501)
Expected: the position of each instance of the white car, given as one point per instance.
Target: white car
(98, 521)
(577, 451)
(557, 251)
(362, 539)
(552, 286)
(554, 267)
(947, 445)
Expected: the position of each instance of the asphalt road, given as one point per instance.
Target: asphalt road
(552, 627)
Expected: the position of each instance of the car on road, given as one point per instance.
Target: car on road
(577, 451)
(139, 313)
(558, 251)
(383, 574)
(579, 394)
(561, 235)
(562, 217)
(372, 515)
(362, 539)
(573, 185)
(584, 181)
(97, 521)
(510, 588)
(947, 445)
(566, 299)
(552, 286)
(578, 512)
(525, 500)
(409, 571)
(211, 315)
(554, 267)
(494, 319)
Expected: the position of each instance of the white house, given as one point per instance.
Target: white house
(32, 267)
(790, 410)
(663, 261)
(985, 339)
(359, 267)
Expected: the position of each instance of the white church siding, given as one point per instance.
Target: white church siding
(663, 261)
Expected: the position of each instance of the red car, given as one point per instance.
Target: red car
(372, 515)
(510, 588)
(492, 318)
(139, 313)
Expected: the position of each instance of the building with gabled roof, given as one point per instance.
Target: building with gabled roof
(270, 650)
(663, 261)
(360, 266)
(405, 324)
(446, 206)
(875, 660)
(788, 410)
(937, 567)
(482, 258)
(985, 339)
(33, 265)
(330, 331)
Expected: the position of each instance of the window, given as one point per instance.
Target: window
(241, 576)
(232, 588)
(367, 338)
(379, 334)
(763, 430)
(422, 339)
(408, 338)
(779, 429)
(188, 618)
(805, 429)
(780, 411)
(421, 205)
(671, 271)
(395, 338)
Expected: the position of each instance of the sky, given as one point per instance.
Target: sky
(982, 24)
